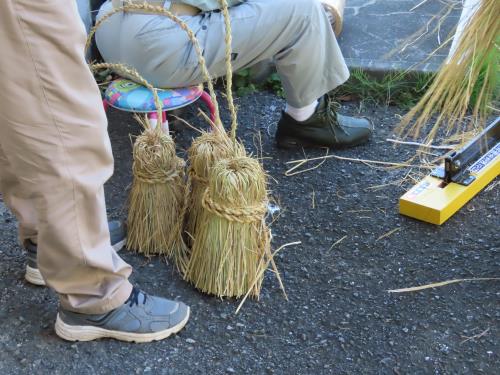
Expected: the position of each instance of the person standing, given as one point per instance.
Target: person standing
(55, 156)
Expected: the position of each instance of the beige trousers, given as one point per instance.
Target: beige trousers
(296, 34)
(55, 153)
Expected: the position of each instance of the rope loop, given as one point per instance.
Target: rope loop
(243, 215)
(159, 177)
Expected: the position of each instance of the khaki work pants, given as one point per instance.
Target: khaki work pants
(55, 153)
(296, 34)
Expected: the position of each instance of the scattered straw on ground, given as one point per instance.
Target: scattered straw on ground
(440, 284)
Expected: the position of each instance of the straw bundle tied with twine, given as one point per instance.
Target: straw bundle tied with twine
(467, 80)
(157, 198)
(228, 196)
(157, 201)
(204, 152)
(231, 243)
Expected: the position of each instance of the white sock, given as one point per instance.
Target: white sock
(303, 113)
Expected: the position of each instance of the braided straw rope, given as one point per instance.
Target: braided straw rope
(248, 214)
(151, 174)
(152, 9)
(194, 176)
(229, 69)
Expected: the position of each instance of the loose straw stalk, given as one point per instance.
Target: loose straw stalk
(467, 80)
(231, 237)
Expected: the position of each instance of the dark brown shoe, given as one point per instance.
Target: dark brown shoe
(325, 128)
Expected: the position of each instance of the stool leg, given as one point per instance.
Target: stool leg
(205, 97)
(164, 123)
(153, 120)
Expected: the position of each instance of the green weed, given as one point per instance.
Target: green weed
(244, 85)
(400, 89)
(403, 90)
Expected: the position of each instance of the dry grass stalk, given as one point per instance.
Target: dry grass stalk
(468, 78)
(421, 145)
(299, 163)
(475, 337)
(337, 242)
(385, 235)
(442, 283)
(262, 270)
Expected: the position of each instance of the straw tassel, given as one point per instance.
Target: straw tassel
(204, 152)
(231, 240)
(156, 165)
(156, 200)
(231, 244)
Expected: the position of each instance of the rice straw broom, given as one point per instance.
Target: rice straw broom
(467, 80)
(231, 238)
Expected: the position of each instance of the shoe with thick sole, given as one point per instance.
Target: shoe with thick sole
(325, 128)
(118, 237)
(142, 318)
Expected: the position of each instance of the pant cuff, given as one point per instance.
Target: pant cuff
(105, 305)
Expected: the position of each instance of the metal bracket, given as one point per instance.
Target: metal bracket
(457, 163)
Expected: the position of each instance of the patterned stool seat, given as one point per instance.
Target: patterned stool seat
(129, 96)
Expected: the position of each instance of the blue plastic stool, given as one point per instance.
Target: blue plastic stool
(128, 96)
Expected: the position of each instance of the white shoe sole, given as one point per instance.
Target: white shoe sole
(33, 275)
(88, 333)
(120, 245)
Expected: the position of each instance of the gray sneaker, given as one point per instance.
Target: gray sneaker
(142, 318)
(33, 276)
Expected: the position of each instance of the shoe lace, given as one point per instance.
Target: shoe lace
(133, 299)
(330, 113)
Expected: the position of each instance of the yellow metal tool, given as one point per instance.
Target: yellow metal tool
(464, 174)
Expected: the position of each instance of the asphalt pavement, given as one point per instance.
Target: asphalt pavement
(339, 317)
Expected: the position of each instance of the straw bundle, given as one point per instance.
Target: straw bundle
(204, 152)
(231, 239)
(215, 145)
(466, 81)
(156, 200)
(231, 246)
